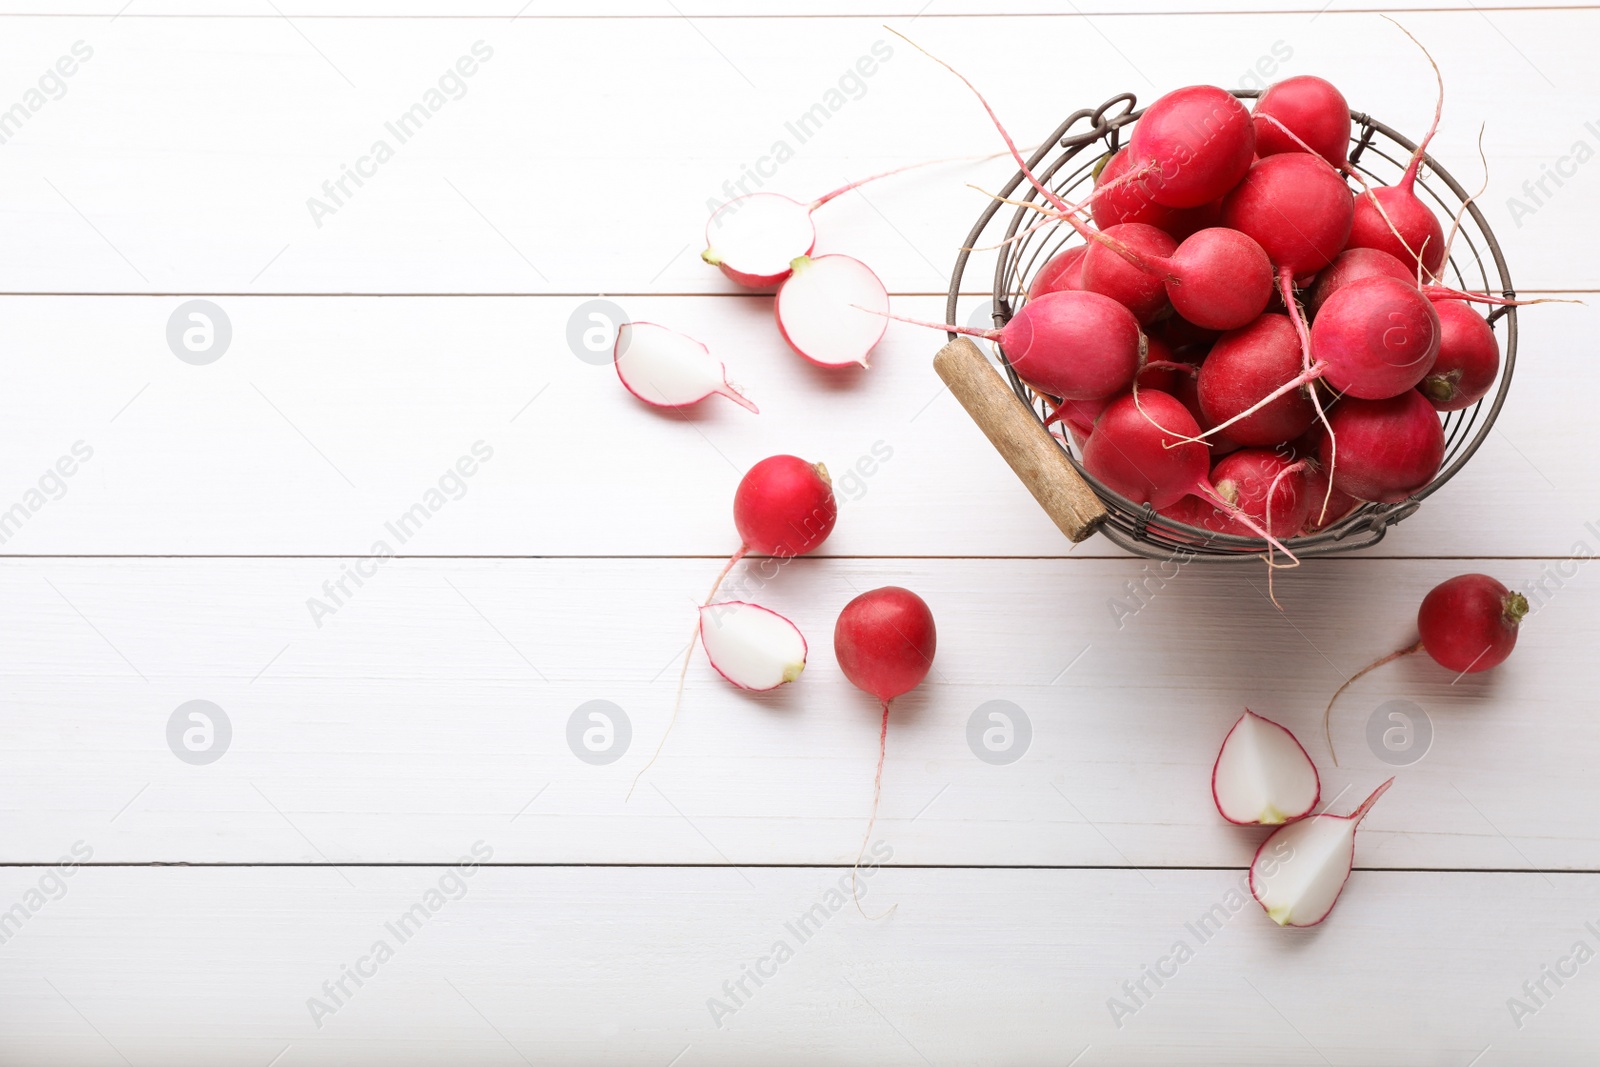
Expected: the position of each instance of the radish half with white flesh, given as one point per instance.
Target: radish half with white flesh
(832, 310)
(1299, 872)
(1263, 776)
(668, 369)
(750, 646)
(754, 239)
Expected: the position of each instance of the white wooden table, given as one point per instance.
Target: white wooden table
(168, 912)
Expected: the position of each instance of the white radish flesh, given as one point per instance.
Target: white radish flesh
(750, 646)
(1299, 872)
(754, 239)
(1262, 775)
(832, 310)
(668, 369)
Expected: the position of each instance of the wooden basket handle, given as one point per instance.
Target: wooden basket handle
(1033, 454)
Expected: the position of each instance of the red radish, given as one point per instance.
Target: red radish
(1467, 624)
(831, 310)
(1352, 265)
(1266, 486)
(1248, 364)
(1263, 776)
(1062, 271)
(884, 641)
(1128, 200)
(784, 507)
(669, 370)
(1387, 449)
(1143, 448)
(1145, 455)
(1296, 207)
(751, 646)
(1199, 140)
(1328, 504)
(1391, 218)
(1181, 334)
(1468, 362)
(1299, 871)
(1219, 279)
(1377, 337)
(1105, 271)
(1313, 110)
(1071, 344)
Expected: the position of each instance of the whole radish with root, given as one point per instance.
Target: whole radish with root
(1467, 624)
(885, 642)
(784, 507)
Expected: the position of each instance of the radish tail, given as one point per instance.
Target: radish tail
(987, 335)
(1327, 716)
(1209, 492)
(877, 794)
(683, 672)
(859, 182)
(1409, 179)
(1366, 805)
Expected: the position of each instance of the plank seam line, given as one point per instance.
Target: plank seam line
(404, 865)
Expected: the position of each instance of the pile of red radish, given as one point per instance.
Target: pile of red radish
(1242, 333)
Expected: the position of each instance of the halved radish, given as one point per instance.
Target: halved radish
(832, 310)
(1299, 872)
(754, 239)
(669, 369)
(751, 646)
(1263, 776)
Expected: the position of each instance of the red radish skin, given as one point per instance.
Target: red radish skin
(1328, 504)
(1377, 338)
(1074, 345)
(783, 507)
(1296, 207)
(1199, 142)
(1129, 200)
(1220, 279)
(885, 641)
(1468, 361)
(1313, 109)
(1467, 624)
(1268, 487)
(1388, 449)
(1063, 271)
(1351, 265)
(1144, 455)
(1107, 272)
(1246, 365)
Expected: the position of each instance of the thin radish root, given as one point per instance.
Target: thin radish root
(1327, 715)
(866, 838)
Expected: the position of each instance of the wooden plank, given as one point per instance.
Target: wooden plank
(197, 967)
(325, 419)
(446, 700)
(133, 181)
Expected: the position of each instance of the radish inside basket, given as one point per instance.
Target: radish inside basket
(1068, 163)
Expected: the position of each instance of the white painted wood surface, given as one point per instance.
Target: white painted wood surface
(426, 321)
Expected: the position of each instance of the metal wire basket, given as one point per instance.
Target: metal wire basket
(1066, 162)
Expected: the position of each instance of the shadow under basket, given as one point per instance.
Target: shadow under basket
(1012, 414)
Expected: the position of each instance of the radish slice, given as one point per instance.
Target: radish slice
(1263, 776)
(826, 310)
(754, 239)
(669, 370)
(750, 646)
(1299, 872)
